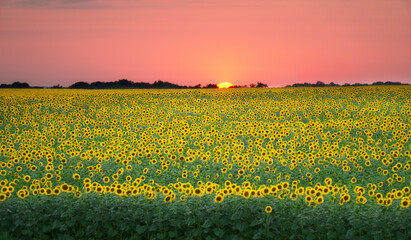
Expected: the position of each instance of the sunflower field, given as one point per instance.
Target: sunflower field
(286, 163)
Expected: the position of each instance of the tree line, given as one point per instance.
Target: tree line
(127, 84)
(331, 84)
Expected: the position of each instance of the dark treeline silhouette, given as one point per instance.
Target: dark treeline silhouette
(258, 85)
(240, 86)
(389, 83)
(210, 85)
(15, 85)
(331, 84)
(57, 86)
(127, 84)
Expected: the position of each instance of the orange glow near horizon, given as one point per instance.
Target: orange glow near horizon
(224, 85)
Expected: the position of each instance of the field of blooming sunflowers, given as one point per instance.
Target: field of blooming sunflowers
(287, 163)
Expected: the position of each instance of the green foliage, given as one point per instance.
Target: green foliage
(109, 217)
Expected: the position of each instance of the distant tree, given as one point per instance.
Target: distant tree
(57, 86)
(196, 86)
(302, 85)
(211, 85)
(388, 83)
(332, 84)
(252, 85)
(124, 83)
(160, 84)
(261, 85)
(98, 85)
(80, 85)
(141, 85)
(393, 83)
(20, 85)
(165, 85)
(15, 85)
(359, 84)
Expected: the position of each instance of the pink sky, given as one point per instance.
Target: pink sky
(189, 42)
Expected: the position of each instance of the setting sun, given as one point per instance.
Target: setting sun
(224, 85)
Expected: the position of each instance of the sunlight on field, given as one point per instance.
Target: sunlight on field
(312, 145)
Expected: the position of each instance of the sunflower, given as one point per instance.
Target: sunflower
(106, 179)
(293, 196)
(78, 194)
(405, 202)
(266, 191)
(119, 191)
(361, 200)
(168, 198)
(353, 180)
(64, 187)
(388, 202)
(198, 192)
(246, 193)
(319, 200)
(21, 193)
(218, 198)
(27, 178)
(56, 191)
(227, 183)
(76, 176)
(4, 189)
(268, 209)
(2, 197)
(99, 189)
(346, 197)
(49, 191)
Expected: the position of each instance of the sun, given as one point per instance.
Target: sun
(224, 85)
